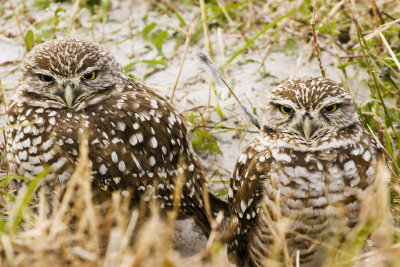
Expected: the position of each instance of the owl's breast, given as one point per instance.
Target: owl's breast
(317, 192)
(40, 139)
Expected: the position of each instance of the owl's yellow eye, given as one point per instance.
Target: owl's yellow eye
(45, 78)
(330, 108)
(89, 76)
(285, 109)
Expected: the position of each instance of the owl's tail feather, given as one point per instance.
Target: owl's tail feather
(217, 204)
(200, 214)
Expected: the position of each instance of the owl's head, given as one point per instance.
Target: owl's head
(68, 73)
(308, 109)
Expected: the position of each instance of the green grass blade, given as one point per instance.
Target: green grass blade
(264, 30)
(15, 220)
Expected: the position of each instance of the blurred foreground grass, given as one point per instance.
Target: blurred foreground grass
(31, 234)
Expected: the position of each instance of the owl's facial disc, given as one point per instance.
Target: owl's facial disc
(295, 120)
(309, 109)
(69, 74)
(66, 92)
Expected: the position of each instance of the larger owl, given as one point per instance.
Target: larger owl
(137, 141)
(309, 167)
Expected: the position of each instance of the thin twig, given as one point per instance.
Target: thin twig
(377, 14)
(223, 85)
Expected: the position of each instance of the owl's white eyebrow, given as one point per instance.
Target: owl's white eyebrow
(329, 102)
(41, 71)
(287, 103)
(90, 69)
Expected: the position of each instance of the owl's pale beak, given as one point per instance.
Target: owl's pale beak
(68, 95)
(307, 128)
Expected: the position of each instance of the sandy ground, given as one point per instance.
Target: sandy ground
(195, 81)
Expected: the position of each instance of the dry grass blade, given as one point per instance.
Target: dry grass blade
(80, 180)
(390, 50)
(8, 248)
(187, 42)
(279, 226)
(315, 41)
(205, 30)
(335, 9)
(222, 6)
(74, 14)
(381, 28)
(15, 15)
(379, 218)
(118, 251)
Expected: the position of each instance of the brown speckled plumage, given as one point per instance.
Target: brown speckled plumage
(315, 174)
(136, 139)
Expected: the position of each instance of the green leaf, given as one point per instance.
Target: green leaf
(159, 41)
(57, 15)
(346, 64)
(205, 142)
(192, 117)
(182, 22)
(148, 29)
(47, 34)
(42, 4)
(219, 111)
(29, 39)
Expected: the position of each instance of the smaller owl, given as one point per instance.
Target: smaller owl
(137, 141)
(312, 160)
